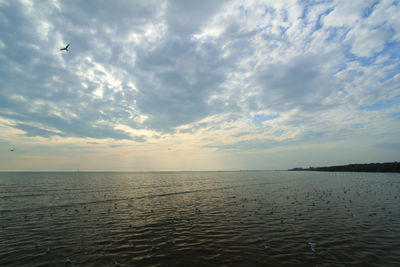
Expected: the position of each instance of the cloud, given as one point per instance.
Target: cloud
(188, 17)
(221, 75)
(366, 42)
(178, 93)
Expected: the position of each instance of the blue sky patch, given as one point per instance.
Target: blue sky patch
(258, 119)
(382, 104)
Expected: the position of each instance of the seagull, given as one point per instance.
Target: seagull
(65, 48)
(312, 245)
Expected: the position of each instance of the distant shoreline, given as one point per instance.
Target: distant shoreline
(369, 167)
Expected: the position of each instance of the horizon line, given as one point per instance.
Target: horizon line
(75, 171)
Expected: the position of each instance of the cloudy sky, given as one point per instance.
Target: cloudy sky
(198, 85)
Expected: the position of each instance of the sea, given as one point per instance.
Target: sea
(247, 218)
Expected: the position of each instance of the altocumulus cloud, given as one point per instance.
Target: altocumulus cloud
(212, 67)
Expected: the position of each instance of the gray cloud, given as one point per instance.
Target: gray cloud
(298, 84)
(144, 61)
(180, 77)
(37, 85)
(187, 17)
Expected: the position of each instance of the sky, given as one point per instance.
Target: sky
(198, 85)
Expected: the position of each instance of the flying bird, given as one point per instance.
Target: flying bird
(65, 48)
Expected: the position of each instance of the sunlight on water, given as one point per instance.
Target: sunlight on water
(199, 218)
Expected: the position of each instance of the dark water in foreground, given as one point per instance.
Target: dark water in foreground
(200, 219)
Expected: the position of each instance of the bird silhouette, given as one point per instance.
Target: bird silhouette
(65, 48)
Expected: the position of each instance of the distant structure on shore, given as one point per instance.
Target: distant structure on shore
(370, 167)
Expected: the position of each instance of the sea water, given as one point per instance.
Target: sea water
(199, 219)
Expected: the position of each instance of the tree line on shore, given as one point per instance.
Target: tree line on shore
(369, 167)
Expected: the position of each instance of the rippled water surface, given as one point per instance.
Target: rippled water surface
(199, 219)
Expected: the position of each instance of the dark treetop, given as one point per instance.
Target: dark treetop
(370, 167)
